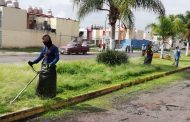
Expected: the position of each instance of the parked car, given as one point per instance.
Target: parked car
(73, 48)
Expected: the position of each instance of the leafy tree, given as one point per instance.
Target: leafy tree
(165, 28)
(187, 31)
(185, 35)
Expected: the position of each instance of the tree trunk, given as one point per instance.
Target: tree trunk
(162, 49)
(187, 48)
(112, 41)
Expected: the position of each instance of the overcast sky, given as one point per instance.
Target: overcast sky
(64, 9)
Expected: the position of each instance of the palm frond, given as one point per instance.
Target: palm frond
(152, 5)
(88, 6)
(128, 18)
(151, 26)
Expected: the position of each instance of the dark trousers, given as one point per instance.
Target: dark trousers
(46, 86)
(148, 60)
(176, 62)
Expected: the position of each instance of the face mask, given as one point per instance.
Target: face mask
(48, 44)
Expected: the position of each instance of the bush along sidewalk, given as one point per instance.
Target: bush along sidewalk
(112, 58)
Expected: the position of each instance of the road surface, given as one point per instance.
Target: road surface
(15, 58)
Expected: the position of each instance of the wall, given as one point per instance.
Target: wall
(53, 22)
(27, 38)
(136, 43)
(67, 30)
(67, 27)
(125, 43)
(15, 33)
(14, 19)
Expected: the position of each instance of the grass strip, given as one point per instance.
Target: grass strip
(74, 78)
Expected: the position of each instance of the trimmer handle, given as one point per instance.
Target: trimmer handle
(33, 68)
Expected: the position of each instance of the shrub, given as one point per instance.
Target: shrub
(112, 58)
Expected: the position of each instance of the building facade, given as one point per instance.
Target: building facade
(99, 35)
(21, 28)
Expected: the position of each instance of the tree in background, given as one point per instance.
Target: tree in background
(185, 35)
(118, 9)
(165, 29)
(179, 30)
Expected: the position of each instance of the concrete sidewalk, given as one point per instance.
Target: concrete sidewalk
(18, 53)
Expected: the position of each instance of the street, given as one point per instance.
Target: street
(16, 58)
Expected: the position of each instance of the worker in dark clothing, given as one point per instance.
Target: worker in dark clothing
(49, 55)
(149, 55)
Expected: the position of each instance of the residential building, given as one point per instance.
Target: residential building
(99, 35)
(21, 28)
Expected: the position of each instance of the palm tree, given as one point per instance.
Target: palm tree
(165, 28)
(186, 28)
(187, 36)
(187, 32)
(178, 28)
(118, 9)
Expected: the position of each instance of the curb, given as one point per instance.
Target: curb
(19, 115)
(18, 53)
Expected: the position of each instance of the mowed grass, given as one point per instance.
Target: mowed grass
(74, 78)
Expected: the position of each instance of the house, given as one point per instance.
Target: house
(99, 35)
(25, 28)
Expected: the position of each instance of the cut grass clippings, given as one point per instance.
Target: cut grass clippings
(74, 78)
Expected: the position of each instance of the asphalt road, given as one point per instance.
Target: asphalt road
(16, 58)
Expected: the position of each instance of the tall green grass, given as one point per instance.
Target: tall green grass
(74, 78)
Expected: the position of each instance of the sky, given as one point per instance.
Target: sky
(64, 9)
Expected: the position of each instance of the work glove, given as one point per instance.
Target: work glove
(30, 63)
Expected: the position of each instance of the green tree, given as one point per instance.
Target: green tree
(118, 9)
(187, 26)
(165, 28)
(187, 31)
(185, 35)
(179, 28)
